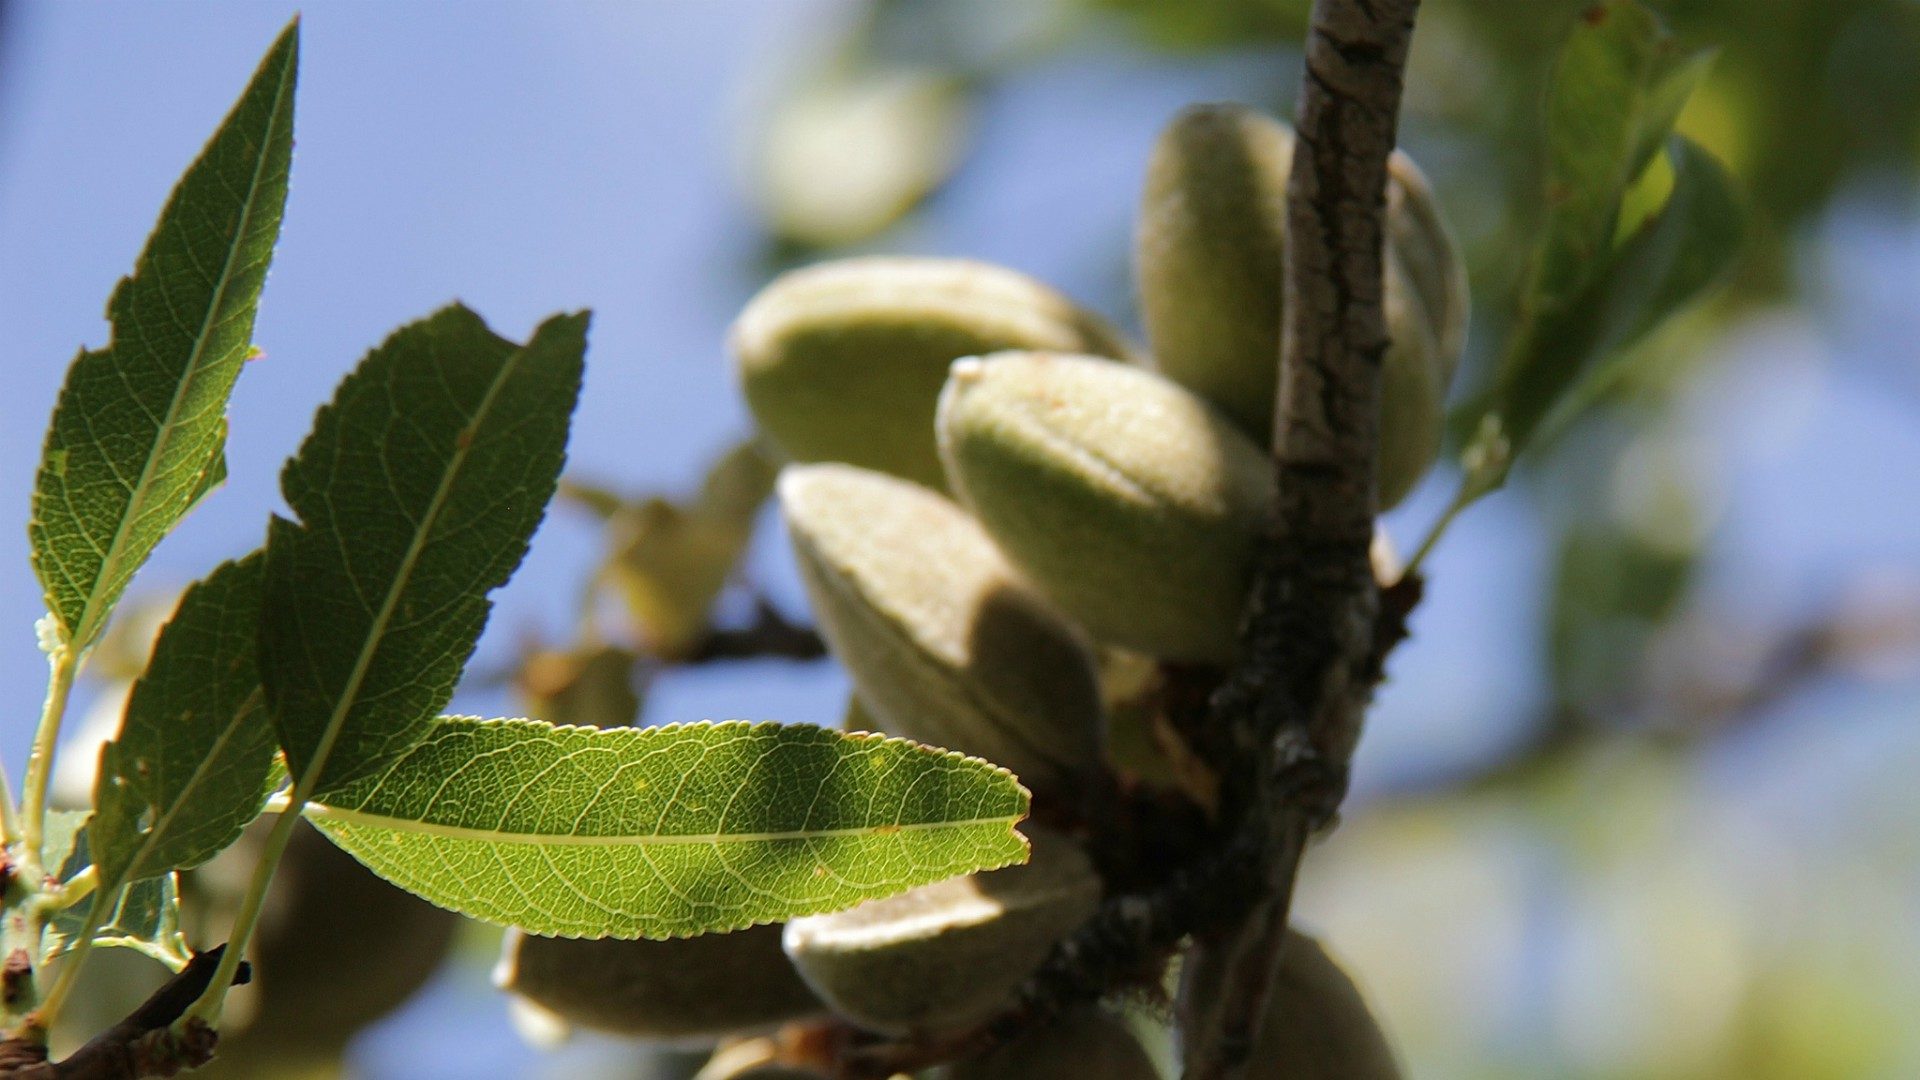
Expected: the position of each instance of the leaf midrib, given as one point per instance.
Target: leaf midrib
(462, 448)
(90, 611)
(363, 818)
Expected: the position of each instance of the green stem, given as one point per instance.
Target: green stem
(207, 1008)
(63, 664)
(75, 889)
(63, 983)
(9, 811)
(1462, 499)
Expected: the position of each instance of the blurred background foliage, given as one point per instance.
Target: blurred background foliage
(1669, 831)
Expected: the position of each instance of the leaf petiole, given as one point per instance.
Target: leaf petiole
(207, 1007)
(62, 665)
(63, 983)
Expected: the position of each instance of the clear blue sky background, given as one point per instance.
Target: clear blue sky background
(528, 158)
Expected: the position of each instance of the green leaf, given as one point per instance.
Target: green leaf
(671, 831)
(193, 759)
(145, 917)
(139, 433)
(1614, 98)
(417, 493)
(1616, 94)
(1681, 250)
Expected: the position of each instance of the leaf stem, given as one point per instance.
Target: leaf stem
(9, 810)
(75, 889)
(63, 664)
(1485, 465)
(1462, 498)
(207, 1007)
(63, 983)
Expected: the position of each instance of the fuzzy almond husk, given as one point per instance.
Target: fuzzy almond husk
(943, 956)
(1210, 255)
(844, 360)
(945, 644)
(1317, 1024)
(1126, 498)
(694, 989)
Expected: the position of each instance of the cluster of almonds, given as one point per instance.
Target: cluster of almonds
(997, 503)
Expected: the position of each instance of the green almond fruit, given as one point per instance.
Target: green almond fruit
(947, 955)
(1430, 261)
(1209, 252)
(1126, 498)
(696, 988)
(1317, 1025)
(944, 643)
(843, 361)
(1412, 394)
(1210, 257)
(1082, 1045)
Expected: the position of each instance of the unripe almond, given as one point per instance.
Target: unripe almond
(843, 361)
(696, 988)
(946, 955)
(1210, 255)
(1130, 501)
(1080, 1046)
(1316, 1027)
(944, 643)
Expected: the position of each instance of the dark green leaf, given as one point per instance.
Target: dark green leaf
(417, 493)
(1681, 250)
(1615, 96)
(670, 831)
(191, 764)
(1617, 92)
(139, 432)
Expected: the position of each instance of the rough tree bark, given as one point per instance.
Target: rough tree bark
(1311, 646)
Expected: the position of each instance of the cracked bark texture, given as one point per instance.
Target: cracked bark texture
(1310, 651)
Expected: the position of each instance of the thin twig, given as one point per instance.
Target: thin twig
(145, 1044)
(1309, 646)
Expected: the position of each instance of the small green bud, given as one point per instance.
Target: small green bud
(944, 643)
(1083, 1045)
(1317, 1026)
(1130, 501)
(1211, 253)
(670, 561)
(843, 361)
(696, 988)
(946, 955)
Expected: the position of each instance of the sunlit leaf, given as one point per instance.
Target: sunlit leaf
(670, 831)
(417, 493)
(139, 432)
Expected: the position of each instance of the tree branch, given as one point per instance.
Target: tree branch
(145, 1044)
(1310, 651)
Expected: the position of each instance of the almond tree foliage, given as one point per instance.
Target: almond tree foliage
(1031, 542)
